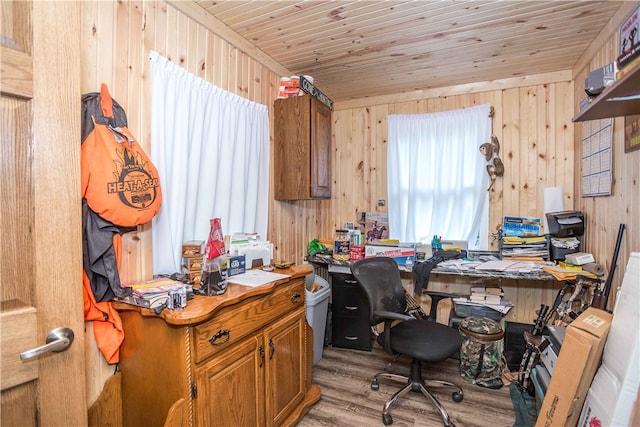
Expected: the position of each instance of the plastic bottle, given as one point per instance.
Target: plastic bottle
(341, 250)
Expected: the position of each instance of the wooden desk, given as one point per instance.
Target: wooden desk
(526, 290)
(241, 358)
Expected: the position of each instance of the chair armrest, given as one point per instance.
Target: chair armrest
(390, 317)
(393, 315)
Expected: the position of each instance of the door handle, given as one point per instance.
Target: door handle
(57, 340)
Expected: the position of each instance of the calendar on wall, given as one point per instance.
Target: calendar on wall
(597, 137)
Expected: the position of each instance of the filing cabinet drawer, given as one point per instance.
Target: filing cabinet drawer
(351, 332)
(348, 298)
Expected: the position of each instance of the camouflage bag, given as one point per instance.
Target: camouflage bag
(481, 354)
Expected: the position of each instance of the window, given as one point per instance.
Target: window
(211, 149)
(437, 177)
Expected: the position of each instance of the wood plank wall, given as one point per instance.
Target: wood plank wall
(533, 125)
(604, 215)
(532, 121)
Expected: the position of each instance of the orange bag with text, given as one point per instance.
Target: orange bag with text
(117, 178)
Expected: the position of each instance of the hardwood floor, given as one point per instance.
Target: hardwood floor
(347, 399)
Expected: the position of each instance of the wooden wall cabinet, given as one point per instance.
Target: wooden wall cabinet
(302, 149)
(243, 358)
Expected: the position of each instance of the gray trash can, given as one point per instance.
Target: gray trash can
(317, 306)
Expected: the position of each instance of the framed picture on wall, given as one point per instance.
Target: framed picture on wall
(631, 133)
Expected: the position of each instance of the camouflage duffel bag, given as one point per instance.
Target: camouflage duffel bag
(481, 358)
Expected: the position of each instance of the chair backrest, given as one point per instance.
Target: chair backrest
(380, 279)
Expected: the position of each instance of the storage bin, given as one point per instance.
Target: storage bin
(317, 306)
(468, 310)
(481, 353)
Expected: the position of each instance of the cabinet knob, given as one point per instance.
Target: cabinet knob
(261, 351)
(272, 349)
(296, 297)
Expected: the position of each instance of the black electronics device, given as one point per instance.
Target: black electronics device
(599, 79)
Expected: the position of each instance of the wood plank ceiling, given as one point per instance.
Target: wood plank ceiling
(357, 49)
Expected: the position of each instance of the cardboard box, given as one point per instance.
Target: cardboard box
(236, 265)
(192, 264)
(404, 253)
(192, 248)
(520, 226)
(579, 358)
(615, 386)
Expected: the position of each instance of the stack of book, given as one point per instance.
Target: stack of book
(152, 293)
(486, 295)
(489, 297)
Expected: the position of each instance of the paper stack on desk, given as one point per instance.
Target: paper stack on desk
(513, 266)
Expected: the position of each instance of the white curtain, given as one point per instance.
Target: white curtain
(211, 148)
(437, 178)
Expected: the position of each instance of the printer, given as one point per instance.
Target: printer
(565, 230)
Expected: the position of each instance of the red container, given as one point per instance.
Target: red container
(356, 253)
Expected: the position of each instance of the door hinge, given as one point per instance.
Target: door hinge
(194, 390)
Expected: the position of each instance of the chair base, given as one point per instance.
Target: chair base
(416, 383)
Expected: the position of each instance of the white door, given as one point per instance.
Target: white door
(40, 215)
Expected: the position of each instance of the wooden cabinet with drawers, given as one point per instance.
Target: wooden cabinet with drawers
(350, 314)
(242, 358)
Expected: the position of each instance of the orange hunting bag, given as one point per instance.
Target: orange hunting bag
(117, 178)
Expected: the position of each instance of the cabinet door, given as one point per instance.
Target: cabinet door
(302, 149)
(285, 361)
(230, 389)
(320, 167)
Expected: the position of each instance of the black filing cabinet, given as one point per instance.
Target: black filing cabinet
(350, 314)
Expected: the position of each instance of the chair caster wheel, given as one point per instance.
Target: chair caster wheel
(387, 420)
(457, 396)
(374, 385)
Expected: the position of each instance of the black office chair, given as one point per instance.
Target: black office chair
(422, 340)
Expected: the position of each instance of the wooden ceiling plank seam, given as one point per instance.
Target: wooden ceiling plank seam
(461, 36)
(532, 12)
(533, 18)
(326, 13)
(392, 54)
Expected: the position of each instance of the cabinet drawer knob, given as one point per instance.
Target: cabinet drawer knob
(354, 282)
(351, 338)
(296, 297)
(350, 307)
(220, 334)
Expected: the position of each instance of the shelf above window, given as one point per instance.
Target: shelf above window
(622, 98)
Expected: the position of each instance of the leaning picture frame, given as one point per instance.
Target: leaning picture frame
(631, 133)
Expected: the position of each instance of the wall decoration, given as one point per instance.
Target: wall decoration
(495, 167)
(597, 137)
(631, 133)
(374, 225)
